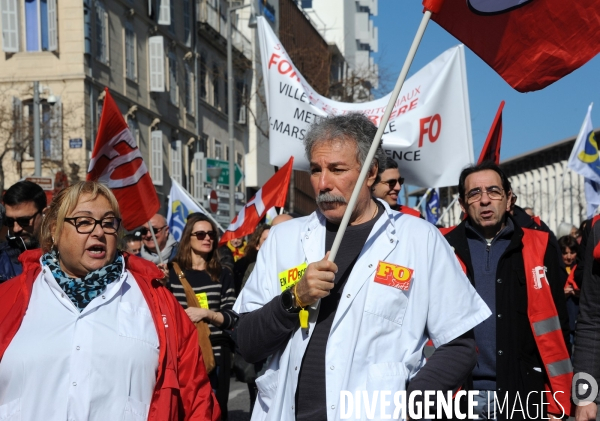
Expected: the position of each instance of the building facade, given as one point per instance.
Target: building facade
(165, 65)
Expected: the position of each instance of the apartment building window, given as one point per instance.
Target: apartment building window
(156, 54)
(39, 25)
(130, 56)
(134, 129)
(101, 33)
(156, 157)
(173, 77)
(164, 12)
(172, 13)
(187, 23)
(239, 158)
(202, 81)
(218, 150)
(176, 161)
(50, 130)
(226, 93)
(240, 102)
(215, 86)
(189, 89)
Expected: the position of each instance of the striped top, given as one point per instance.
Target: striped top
(220, 297)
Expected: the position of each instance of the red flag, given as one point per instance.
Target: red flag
(272, 193)
(491, 148)
(530, 43)
(118, 163)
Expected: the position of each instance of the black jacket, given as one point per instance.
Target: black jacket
(517, 352)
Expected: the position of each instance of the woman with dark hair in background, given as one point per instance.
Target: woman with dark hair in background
(569, 248)
(213, 287)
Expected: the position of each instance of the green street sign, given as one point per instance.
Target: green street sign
(224, 177)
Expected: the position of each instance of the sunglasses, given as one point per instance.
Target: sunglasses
(23, 221)
(392, 183)
(144, 231)
(201, 235)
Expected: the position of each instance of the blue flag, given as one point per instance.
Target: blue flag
(432, 208)
(180, 206)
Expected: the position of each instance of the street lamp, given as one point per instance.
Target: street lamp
(230, 82)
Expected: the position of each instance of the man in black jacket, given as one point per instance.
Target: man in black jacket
(490, 244)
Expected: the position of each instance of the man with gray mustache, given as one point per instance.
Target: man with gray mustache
(358, 324)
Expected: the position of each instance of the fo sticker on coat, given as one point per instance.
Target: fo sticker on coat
(393, 275)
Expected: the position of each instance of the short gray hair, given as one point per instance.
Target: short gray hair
(352, 126)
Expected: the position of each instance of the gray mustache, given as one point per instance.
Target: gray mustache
(327, 197)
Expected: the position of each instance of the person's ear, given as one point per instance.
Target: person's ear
(372, 175)
(463, 206)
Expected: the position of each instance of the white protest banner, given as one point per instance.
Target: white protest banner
(429, 131)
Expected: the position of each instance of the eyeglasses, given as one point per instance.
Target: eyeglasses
(86, 224)
(475, 195)
(201, 235)
(23, 221)
(144, 231)
(392, 183)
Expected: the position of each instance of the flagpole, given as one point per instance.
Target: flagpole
(447, 209)
(423, 198)
(155, 243)
(384, 120)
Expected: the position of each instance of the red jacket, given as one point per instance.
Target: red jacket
(182, 390)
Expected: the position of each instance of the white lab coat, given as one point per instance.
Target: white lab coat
(378, 333)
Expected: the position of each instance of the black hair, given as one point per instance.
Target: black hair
(388, 164)
(25, 191)
(485, 165)
(570, 242)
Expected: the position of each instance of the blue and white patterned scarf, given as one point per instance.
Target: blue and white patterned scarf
(82, 291)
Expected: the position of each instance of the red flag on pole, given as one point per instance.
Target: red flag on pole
(117, 162)
(491, 147)
(530, 43)
(272, 193)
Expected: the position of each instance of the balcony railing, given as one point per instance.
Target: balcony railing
(208, 14)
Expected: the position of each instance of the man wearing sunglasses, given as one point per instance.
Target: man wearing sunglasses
(516, 271)
(167, 245)
(387, 187)
(24, 202)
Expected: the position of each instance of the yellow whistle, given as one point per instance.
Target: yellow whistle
(304, 319)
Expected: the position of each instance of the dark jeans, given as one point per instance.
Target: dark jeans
(220, 377)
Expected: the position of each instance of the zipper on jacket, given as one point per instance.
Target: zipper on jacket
(487, 259)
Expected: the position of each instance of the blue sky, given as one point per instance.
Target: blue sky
(530, 120)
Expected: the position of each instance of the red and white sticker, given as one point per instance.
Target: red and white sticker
(392, 275)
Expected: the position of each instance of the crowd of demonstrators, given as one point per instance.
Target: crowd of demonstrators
(197, 266)
(500, 256)
(24, 202)
(345, 345)
(88, 333)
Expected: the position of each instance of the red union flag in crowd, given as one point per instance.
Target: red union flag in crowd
(273, 193)
(530, 43)
(118, 163)
(491, 148)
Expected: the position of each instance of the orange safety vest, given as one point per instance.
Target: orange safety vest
(544, 322)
